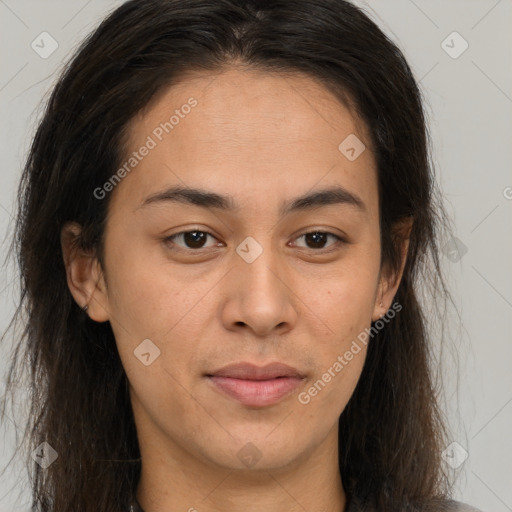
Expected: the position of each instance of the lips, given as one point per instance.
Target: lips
(255, 386)
(248, 371)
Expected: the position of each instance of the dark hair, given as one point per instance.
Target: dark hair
(391, 433)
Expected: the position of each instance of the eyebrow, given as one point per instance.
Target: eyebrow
(207, 199)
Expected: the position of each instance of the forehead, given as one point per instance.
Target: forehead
(248, 132)
(241, 99)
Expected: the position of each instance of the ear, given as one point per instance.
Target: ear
(84, 274)
(390, 281)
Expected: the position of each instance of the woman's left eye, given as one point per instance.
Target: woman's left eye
(318, 239)
(196, 239)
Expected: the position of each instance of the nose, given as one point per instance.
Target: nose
(260, 296)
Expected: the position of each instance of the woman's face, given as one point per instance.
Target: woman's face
(249, 284)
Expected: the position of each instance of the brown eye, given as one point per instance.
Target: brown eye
(318, 239)
(194, 239)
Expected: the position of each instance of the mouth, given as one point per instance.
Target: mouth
(255, 386)
(256, 393)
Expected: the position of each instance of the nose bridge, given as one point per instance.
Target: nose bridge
(262, 300)
(257, 264)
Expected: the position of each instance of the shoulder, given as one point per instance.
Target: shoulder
(457, 506)
(439, 506)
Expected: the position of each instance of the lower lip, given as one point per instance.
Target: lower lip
(256, 393)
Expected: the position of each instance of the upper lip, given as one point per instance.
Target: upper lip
(249, 371)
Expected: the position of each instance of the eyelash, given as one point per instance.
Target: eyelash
(170, 240)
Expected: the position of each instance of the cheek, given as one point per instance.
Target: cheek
(344, 301)
(331, 388)
(146, 295)
(345, 304)
(150, 301)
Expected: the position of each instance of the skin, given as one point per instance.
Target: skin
(263, 139)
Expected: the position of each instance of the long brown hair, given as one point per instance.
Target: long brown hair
(391, 433)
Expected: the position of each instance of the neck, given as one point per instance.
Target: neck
(181, 482)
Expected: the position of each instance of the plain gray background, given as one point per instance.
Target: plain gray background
(469, 103)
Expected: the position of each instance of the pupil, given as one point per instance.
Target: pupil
(318, 239)
(194, 239)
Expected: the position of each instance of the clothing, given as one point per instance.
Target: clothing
(355, 506)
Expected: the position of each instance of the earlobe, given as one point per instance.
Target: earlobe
(84, 275)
